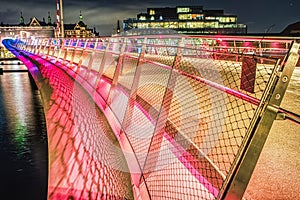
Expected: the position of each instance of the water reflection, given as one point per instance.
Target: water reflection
(23, 140)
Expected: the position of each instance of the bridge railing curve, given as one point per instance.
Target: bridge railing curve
(190, 113)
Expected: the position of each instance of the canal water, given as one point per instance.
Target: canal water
(23, 138)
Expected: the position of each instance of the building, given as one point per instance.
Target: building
(79, 30)
(185, 20)
(292, 30)
(34, 29)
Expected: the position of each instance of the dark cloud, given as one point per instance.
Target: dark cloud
(103, 14)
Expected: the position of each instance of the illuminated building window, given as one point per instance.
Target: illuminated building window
(227, 19)
(210, 18)
(142, 18)
(173, 24)
(152, 12)
(143, 25)
(182, 25)
(166, 25)
(197, 16)
(185, 16)
(183, 10)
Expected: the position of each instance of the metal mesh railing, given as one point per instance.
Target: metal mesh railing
(80, 141)
(182, 108)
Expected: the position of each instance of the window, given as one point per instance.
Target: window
(197, 16)
(227, 19)
(185, 16)
(210, 18)
(152, 12)
(142, 18)
(183, 10)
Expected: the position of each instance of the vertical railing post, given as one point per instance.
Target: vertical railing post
(37, 49)
(156, 140)
(116, 73)
(74, 51)
(81, 56)
(41, 41)
(28, 46)
(35, 46)
(61, 47)
(38, 46)
(46, 47)
(56, 47)
(134, 88)
(91, 60)
(257, 134)
(102, 65)
(65, 54)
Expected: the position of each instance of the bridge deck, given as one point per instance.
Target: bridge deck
(174, 116)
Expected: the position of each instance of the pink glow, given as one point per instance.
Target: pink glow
(103, 90)
(60, 193)
(184, 159)
(230, 91)
(247, 44)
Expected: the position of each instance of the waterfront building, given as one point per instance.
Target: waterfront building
(79, 30)
(34, 29)
(185, 20)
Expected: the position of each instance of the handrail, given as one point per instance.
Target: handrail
(146, 50)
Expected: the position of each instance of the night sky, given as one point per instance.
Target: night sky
(258, 15)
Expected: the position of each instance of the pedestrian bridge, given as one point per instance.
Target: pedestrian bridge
(158, 117)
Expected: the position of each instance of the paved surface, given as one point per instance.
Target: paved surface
(277, 174)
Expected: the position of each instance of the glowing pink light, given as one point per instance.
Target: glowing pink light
(184, 159)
